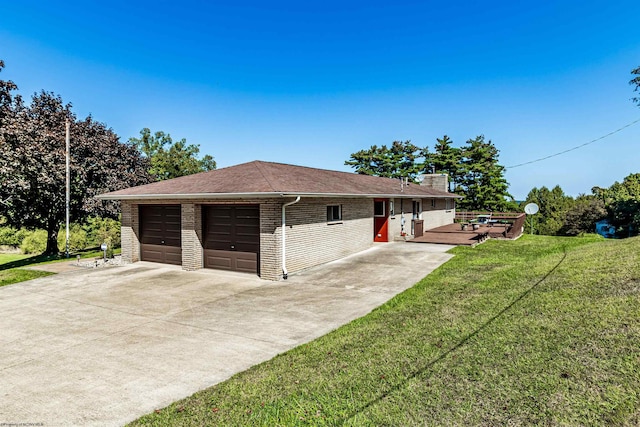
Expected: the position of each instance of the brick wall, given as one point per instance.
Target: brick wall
(311, 240)
(130, 232)
(436, 181)
(192, 251)
(433, 216)
(438, 215)
(270, 227)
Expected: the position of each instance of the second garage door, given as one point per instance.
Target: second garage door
(232, 237)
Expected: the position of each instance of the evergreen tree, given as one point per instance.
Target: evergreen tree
(401, 160)
(447, 159)
(483, 183)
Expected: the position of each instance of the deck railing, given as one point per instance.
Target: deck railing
(470, 215)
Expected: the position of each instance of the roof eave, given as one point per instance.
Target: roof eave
(263, 195)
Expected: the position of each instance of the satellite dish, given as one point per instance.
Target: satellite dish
(531, 209)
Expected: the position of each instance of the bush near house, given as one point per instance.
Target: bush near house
(90, 234)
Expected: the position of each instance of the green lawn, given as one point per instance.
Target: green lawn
(10, 274)
(11, 270)
(540, 331)
(5, 258)
(15, 275)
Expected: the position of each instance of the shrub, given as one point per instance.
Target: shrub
(12, 237)
(103, 230)
(77, 238)
(92, 233)
(34, 242)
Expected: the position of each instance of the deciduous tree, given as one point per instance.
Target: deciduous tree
(554, 205)
(169, 159)
(582, 215)
(622, 201)
(32, 164)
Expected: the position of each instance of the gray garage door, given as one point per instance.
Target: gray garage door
(232, 237)
(160, 238)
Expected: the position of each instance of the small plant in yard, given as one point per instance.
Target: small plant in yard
(542, 330)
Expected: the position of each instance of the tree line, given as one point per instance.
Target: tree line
(619, 204)
(563, 215)
(473, 169)
(32, 162)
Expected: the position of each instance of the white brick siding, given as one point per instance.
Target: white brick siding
(311, 240)
(437, 216)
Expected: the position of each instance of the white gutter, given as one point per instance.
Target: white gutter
(213, 196)
(285, 273)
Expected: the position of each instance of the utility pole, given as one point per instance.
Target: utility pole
(68, 184)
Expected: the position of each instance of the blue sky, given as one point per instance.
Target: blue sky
(309, 83)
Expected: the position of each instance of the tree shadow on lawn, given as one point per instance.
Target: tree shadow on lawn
(42, 258)
(461, 343)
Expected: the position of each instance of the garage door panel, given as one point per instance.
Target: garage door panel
(248, 229)
(173, 255)
(247, 262)
(218, 240)
(232, 260)
(219, 231)
(152, 253)
(218, 259)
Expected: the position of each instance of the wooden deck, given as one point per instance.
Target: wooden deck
(452, 234)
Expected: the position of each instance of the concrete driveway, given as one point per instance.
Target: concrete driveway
(105, 346)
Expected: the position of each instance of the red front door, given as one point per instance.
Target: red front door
(380, 220)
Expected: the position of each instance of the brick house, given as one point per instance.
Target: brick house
(271, 219)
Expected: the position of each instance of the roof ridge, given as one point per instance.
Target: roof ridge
(258, 164)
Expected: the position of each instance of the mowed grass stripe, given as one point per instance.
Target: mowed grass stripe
(16, 275)
(543, 330)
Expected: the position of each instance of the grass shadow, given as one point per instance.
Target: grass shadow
(42, 258)
(457, 346)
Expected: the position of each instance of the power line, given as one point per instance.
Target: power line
(576, 147)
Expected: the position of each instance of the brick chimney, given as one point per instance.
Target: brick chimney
(437, 181)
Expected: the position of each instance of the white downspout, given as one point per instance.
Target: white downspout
(285, 273)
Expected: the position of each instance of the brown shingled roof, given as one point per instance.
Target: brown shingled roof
(264, 179)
